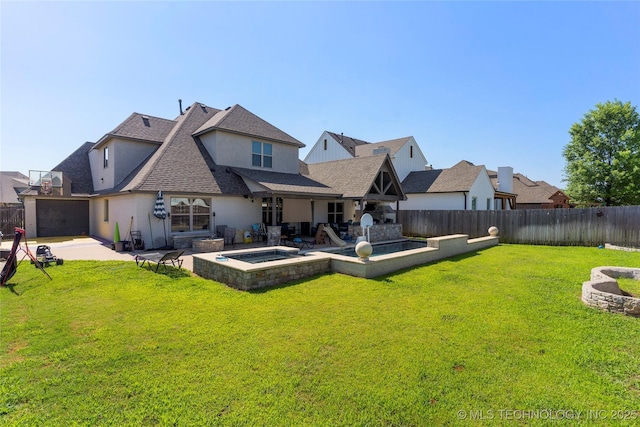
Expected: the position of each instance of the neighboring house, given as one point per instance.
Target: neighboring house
(464, 186)
(12, 184)
(405, 153)
(214, 167)
(534, 194)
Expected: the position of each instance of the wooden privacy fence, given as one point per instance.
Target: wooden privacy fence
(619, 225)
(11, 217)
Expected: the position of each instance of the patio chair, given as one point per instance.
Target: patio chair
(230, 236)
(259, 232)
(220, 230)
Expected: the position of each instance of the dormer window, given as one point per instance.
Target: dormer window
(261, 154)
(105, 157)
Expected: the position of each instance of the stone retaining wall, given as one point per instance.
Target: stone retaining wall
(260, 277)
(208, 245)
(378, 232)
(603, 292)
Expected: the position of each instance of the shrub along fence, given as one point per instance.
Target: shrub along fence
(619, 225)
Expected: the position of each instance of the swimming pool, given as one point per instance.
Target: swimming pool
(264, 256)
(261, 267)
(383, 248)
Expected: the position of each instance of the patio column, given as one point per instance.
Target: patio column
(274, 210)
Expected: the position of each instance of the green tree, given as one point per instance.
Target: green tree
(603, 157)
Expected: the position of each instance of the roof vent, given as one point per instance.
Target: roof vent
(204, 107)
(180, 103)
(145, 120)
(227, 109)
(381, 150)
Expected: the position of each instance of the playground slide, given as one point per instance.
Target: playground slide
(334, 238)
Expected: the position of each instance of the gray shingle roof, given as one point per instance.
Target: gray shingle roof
(142, 127)
(182, 164)
(460, 177)
(351, 177)
(239, 120)
(76, 168)
(348, 142)
(278, 182)
(420, 181)
(527, 190)
(393, 145)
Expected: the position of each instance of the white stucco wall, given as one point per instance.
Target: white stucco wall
(235, 150)
(124, 157)
(231, 211)
(127, 155)
(434, 201)
(102, 177)
(483, 190)
(334, 150)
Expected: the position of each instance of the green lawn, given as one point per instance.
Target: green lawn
(499, 337)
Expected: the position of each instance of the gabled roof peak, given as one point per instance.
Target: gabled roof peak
(238, 119)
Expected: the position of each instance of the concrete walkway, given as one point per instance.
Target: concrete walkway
(89, 248)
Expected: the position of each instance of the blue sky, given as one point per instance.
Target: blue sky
(494, 83)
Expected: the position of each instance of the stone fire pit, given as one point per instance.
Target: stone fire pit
(603, 292)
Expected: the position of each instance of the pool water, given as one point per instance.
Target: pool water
(264, 256)
(384, 248)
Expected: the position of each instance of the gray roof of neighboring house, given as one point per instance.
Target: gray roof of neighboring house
(393, 145)
(239, 120)
(287, 183)
(348, 142)
(141, 127)
(182, 164)
(527, 190)
(76, 168)
(460, 177)
(11, 184)
(351, 177)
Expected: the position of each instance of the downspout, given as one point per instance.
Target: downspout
(464, 193)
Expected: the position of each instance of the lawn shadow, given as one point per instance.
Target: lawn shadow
(171, 272)
(12, 287)
(286, 285)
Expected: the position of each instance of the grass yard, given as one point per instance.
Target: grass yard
(499, 337)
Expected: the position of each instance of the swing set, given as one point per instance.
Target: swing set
(12, 263)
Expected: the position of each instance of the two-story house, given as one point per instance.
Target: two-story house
(405, 153)
(213, 167)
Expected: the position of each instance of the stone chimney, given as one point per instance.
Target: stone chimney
(505, 179)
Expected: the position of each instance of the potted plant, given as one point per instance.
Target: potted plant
(118, 244)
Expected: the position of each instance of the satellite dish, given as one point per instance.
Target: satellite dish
(366, 220)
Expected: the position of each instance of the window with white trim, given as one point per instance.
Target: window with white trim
(105, 157)
(190, 214)
(106, 211)
(261, 154)
(474, 203)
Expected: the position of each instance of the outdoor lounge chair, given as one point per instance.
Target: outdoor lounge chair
(160, 258)
(301, 244)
